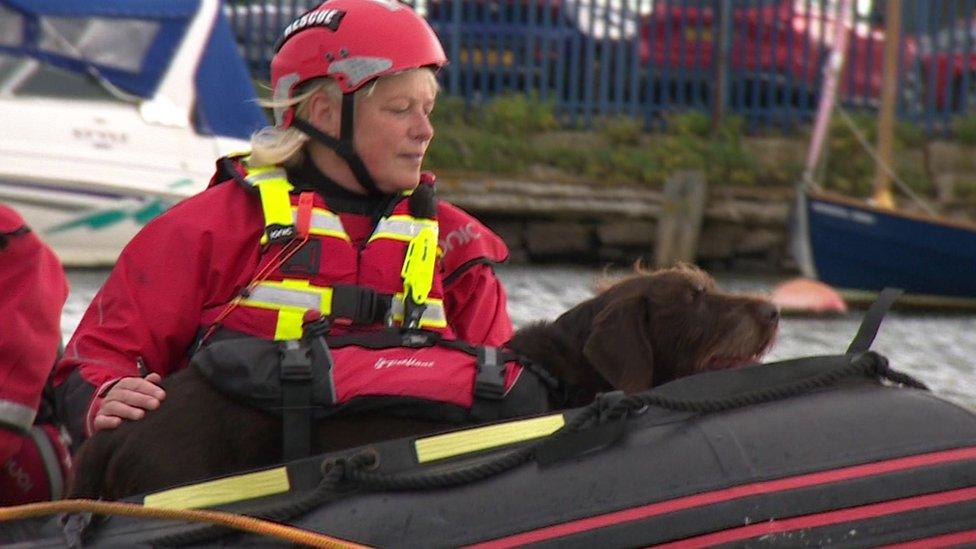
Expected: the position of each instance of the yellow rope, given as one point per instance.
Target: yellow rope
(239, 522)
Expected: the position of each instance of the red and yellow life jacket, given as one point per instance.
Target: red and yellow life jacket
(367, 296)
(357, 288)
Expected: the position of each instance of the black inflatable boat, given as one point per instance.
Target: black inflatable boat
(832, 450)
(811, 451)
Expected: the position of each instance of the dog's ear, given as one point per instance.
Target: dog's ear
(618, 346)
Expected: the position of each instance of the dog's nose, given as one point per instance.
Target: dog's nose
(769, 313)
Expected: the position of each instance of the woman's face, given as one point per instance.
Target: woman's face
(391, 133)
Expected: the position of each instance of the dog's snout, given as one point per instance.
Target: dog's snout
(769, 312)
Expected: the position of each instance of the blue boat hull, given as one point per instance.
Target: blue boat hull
(855, 246)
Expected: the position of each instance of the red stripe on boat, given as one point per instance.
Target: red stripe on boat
(735, 492)
(826, 519)
(945, 540)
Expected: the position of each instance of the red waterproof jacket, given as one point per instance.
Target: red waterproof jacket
(34, 289)
(197, 256)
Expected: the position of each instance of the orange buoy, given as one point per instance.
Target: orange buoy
(804, 295)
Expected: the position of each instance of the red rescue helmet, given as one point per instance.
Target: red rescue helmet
(354, 42)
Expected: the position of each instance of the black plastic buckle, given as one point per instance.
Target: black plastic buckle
(412, 312)
(489, 383)
(296, 362)
(359, 304)
(317, 328)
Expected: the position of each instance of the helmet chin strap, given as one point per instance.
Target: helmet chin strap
(342, 146)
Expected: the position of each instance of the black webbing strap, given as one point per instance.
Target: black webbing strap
(348, 108)
(386, 338)
(227, 169)
(360, 304)
(343, 146)
(570, 443)
(872, 320)
(489, 384)
(296, 400)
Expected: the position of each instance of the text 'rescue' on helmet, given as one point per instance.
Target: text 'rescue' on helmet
(353, 42)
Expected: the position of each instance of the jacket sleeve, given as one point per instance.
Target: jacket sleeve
(474, 298)
(146, 316)
(477, 307)
(34, 291)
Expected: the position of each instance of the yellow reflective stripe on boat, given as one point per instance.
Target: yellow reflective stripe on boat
(324, 223)
(433, 316)
(485, 438)
(402, 227)
(222, 491)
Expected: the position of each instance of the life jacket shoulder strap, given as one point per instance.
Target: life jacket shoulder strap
(274, 188)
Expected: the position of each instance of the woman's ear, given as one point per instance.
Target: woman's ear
(619, 345)
(325, 113)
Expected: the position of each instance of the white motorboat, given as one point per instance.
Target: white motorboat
(112, 111)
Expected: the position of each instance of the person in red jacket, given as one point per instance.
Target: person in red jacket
(328, 218)
(34, 461)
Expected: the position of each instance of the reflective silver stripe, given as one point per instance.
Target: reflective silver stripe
(323, 221)
(280, 95)
(434, 313)
(276, 173)
(288, 297)
(52, 464)
(403, 226)
(491, 355)
(16, 414)
(311, 298)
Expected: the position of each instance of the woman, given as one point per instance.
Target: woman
(328, 222)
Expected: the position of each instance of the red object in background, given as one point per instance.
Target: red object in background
(780, 43)
(806, 296)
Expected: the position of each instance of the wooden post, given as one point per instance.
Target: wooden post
(721, 93)
(679, 224)
(889, 99)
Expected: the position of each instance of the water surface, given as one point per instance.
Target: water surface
(938, 349)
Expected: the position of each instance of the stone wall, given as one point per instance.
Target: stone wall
(593, 224)
(567, 220)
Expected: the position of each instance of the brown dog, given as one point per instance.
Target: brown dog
(643, 331)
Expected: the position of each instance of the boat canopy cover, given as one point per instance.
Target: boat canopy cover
(131, 44)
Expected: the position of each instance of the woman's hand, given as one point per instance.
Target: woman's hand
(129, 399)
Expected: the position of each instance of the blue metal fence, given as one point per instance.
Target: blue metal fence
(648, 58)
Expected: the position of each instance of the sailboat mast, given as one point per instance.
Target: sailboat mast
(828, 93)
(800, 229)
(889, 98)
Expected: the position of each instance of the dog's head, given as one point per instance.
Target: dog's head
(653, 327)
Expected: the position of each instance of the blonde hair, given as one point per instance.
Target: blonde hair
(286, 147)
(274, 145)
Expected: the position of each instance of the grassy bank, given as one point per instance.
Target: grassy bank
(517, 137)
